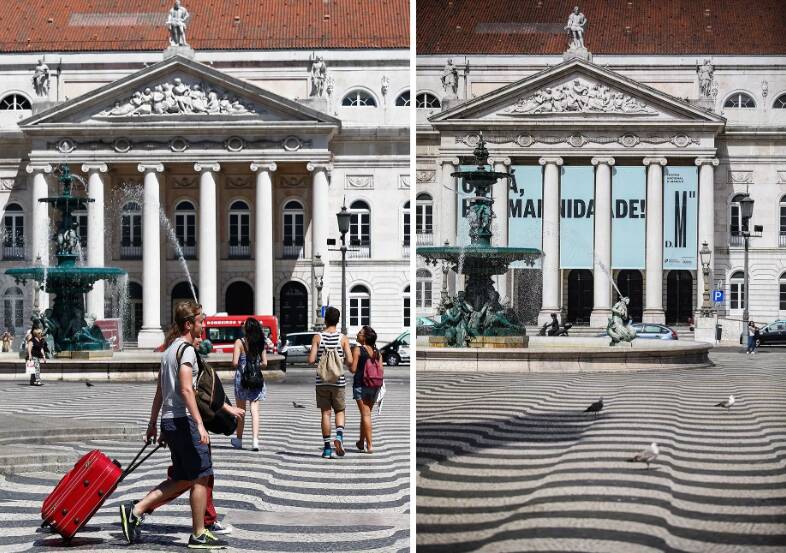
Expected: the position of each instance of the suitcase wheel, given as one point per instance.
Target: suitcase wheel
(65, 511)
(77, 521)
(86, 483)
(100, 493)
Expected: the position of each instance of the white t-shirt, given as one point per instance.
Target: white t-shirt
(173, 406)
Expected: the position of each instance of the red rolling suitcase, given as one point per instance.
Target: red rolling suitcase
(83, 490)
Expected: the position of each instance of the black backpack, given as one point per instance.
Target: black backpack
(251, 378)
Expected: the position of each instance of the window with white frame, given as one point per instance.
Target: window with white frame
(359, 306)
(239, 229)
(13, 232)
(15, 102)
(81, 228)
(737, 291)
(185, 227)
(782, 222)
(405, 219)
(13, 308)
(403, 99)
(131, 231)
(782, 292)
(424, 218)
(739, 100)
(780, 102)
(735, 221)
(423, 288)
(359, 224)
(425, 100)
(359, 98)
(294, 224)
(406, 308)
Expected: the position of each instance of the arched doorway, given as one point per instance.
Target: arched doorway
(239, 299)
(580, 296)
(679, 297)
(182, 292)
(631, 285)
(293, 308)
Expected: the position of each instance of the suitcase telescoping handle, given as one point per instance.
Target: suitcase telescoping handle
(133, 465)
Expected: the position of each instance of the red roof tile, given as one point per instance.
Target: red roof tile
(132, 25)
(693, 27)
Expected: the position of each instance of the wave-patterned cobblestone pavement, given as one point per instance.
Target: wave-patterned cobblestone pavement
(510, 462)
(283, 498)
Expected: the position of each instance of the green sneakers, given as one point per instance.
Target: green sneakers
(206, 541)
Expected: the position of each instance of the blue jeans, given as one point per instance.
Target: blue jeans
(751, 344)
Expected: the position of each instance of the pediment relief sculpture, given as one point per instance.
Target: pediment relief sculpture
(179, 98)
(579, 96)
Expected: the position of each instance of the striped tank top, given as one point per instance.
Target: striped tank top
(330, 340)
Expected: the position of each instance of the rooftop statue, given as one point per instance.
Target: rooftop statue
(176, 23)
(318, 75)
(450, 78)
(575, 27)
(706, 72)
(41, 79)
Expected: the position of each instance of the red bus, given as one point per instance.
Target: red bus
(223, 330)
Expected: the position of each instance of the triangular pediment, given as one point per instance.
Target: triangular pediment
(577, 92)
(178, 90)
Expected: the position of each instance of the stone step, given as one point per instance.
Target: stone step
(36, 458)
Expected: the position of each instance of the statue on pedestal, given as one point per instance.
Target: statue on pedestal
(619, 328)
(706, 72)
(318, 75)
(176, 23)
(450, 79)
(41, 79)
(575, 27)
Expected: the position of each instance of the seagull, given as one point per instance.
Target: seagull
(297, 405)
(647, 455)
(727, 403)
(595, 407)
(88, 384)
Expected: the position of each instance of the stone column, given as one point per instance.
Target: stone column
(96, 232)
(706, 221)
(39, 236)
(151, 335)
(550, 262)
(263, 241)
(500, 225)
(449, 217)
(601, 304)
(653, 280)
(208, 236)
(320, 221)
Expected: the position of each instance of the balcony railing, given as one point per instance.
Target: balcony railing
(130, 252)
(736, 240)
(13, 252)
(292, 251)
(239, 251)
(359, 251)
(425, 239)
(189, 252)
(782, 240)
(405, 250)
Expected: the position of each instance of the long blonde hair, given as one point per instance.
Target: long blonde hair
(184, 312)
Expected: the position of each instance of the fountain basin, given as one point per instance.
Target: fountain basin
(65, 274)
(566, 354)
(478, 257)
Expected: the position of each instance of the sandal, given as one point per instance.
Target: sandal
(360, 445)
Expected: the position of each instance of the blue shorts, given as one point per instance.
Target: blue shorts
(362, 392)
(190, 459)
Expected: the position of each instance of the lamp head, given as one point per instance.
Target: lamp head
(343, 217)
(746, 207)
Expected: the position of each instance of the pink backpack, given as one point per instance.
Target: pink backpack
(373, 375)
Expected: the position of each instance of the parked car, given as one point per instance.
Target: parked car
(652, 331)
(773, 334)
(296, 346)
(396, 351)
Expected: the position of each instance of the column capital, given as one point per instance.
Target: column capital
(603, 160)
(313, 166)
(269, 166)
(449, 160)
(506, 161)
(38, 168)
(714, 161)
(213, 166)
(94, 167)
(658, 160)
(150, 167)
(552, 160)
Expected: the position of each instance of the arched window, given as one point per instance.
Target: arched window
(133, 323)
(294, 229)
(782, 292)
(427, 100)
(406, 308)
(782, 222)
(780, 102)
(424, 219)
(182, 291)
(406, 231)
(423, 288)
(358, 98)
(360, 228)
(15, 102)
(13, 308)
(403, 99)
(185, 228)
(14, 232)
(131, 231)
(735, 221)
(359, 306)
(737, 291)
(81, 229)
(239, 224)
(739, 100)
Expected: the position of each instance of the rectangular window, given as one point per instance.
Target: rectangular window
(423, 293)
(406, 228)
(359, 312)
(360, 229)
(782, 302)
(737, 296)
(81, 228)
(293, 229)
(239, 229)
(424, 219)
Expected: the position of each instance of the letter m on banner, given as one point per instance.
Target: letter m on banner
(680, 217)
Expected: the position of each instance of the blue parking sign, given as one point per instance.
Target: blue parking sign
(717, 296)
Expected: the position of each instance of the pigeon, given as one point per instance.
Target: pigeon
(88, 384)
(595, 407)
(727, 403)
(646, 455)
(297, 405)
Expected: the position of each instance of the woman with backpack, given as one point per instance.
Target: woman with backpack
(249, 358)
(366, 359)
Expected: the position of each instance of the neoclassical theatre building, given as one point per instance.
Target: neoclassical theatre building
(236, 143)
(632, 131)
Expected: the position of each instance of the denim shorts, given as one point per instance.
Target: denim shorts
(190, 459)
(362, 392)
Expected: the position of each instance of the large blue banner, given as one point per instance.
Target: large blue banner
(577, 220)
(628, 217)
(525, 210)
(680, 217)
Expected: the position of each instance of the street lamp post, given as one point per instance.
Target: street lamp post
(706, 254)
(343, 217)
(319, 276)
(746, 212)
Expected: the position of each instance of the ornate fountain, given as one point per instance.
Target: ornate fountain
(65, 321)
(475, 316)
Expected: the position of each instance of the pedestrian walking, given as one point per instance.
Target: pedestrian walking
(182, 430)
(7, 339)
(753, 338)
(330, 350)
(365, 396)
(249, 358)
(36, 350)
